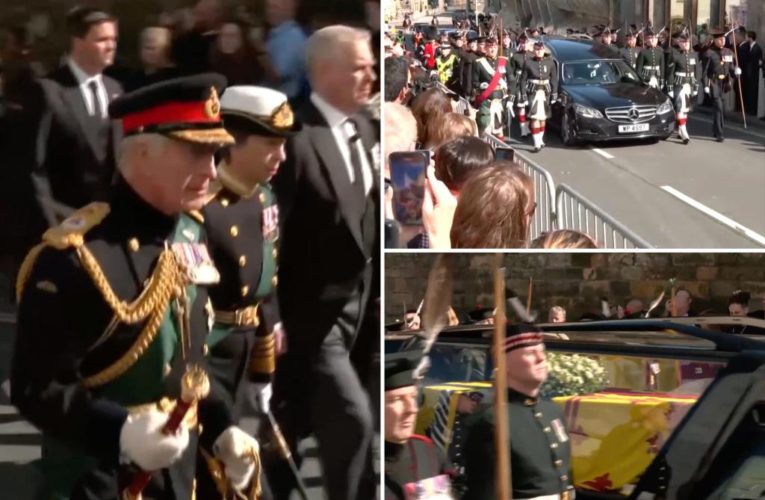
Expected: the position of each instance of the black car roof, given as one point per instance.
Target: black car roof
(566, 49)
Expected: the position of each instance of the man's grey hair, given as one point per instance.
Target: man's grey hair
(156, 143)
(554, 310)
(331, 43)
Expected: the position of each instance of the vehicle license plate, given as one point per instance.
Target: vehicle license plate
(637, 127)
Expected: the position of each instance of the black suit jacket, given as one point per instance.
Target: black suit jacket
(324, 258)
(72, 163)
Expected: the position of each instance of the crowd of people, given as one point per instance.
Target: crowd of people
(199, 240)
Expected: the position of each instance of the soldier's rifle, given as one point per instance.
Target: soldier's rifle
(501, 415)
(738, 79)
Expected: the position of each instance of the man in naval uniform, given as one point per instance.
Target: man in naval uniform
(631, 51)
(539, 87)
(242, 223)
(414, 466)
(540, 449)
(109, 361)
(490, 84)
(650, 62)
(718, 78)
(683, 77)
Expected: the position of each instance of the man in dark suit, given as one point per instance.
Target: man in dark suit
(328, 197)
(750, 68)
(75, 154)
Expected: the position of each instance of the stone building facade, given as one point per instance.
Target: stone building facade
(577, 281)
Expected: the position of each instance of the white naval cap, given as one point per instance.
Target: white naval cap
(258, 110)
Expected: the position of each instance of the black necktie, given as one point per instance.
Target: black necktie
(93, 86)
(359, 193)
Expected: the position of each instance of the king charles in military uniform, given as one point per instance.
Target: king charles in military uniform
(242, 222)
(110, 356)
(540, 449)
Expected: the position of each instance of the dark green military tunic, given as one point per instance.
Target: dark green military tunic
(539, 75)
(650, 63)
(484, 69)
(517, 62)
(630, 55)
(540, 450)
(408, 464)
(68, 339)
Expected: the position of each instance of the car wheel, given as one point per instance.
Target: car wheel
(567, 131)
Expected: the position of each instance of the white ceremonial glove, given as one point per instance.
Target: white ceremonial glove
(706, 90)
(143, 442)
(671, 94)
(235, 448)
(554, 99)
(737, 71)
(483, 86)
(260, 395)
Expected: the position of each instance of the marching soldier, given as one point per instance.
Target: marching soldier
(518, 62)
(414, 466)
(718, 78)
(539, 87)
(650, 62)
(481, 49)
(242, 223)
(631, 52)
(466, 66)
(615, 39)
(604, 37)
(490, 83)
(446, 63)
(507, 43)
(109, 360)
(683, 76)
(539, 445)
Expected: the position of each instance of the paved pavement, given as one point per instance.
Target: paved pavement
(703, 195)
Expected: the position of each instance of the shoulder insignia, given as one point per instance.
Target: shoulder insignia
(71, 232)
(197, 216)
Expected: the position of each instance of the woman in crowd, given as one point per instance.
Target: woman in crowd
(564, 238)
(428, 108)
(448, 127)
(457, 160)
(155, 46)
(236, 57)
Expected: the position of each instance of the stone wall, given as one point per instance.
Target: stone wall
(577, 281)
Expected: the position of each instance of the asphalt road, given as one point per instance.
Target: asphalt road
(703, 195)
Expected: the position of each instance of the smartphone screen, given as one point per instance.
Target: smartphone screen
(504, 154)
(407, 172)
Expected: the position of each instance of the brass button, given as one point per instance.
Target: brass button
(559, 463)
(538, 414)
(274, 253)
(274, 280)
(554, 446)
(245, 290)
(234, 231)
(262, 198)
(546, 429)
(224, 202)
(564, 477)
(167, 369)
(205, 350)
(133, 244)
(242, 261)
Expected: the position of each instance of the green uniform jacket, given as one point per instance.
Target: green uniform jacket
(540, 450)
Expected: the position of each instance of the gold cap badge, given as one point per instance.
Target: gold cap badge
(212, 106)
(283, 116)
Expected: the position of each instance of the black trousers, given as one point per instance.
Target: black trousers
(718, 120)
(321, 393)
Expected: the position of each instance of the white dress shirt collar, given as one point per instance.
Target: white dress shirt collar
(83, 79)
(333, 115)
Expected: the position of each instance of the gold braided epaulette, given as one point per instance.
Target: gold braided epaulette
(69, 234)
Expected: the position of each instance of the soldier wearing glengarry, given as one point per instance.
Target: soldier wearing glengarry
(113, 315)
(491, 87)
(683, 76)
(242, 223)
(718, 78)
(650, 62)
(518, 61)
(539, 87)
(540, 450)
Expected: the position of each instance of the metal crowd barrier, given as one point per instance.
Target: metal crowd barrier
(544, 190)
(574, 211)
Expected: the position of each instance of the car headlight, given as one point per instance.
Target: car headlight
(664, 108)
(587, 112)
